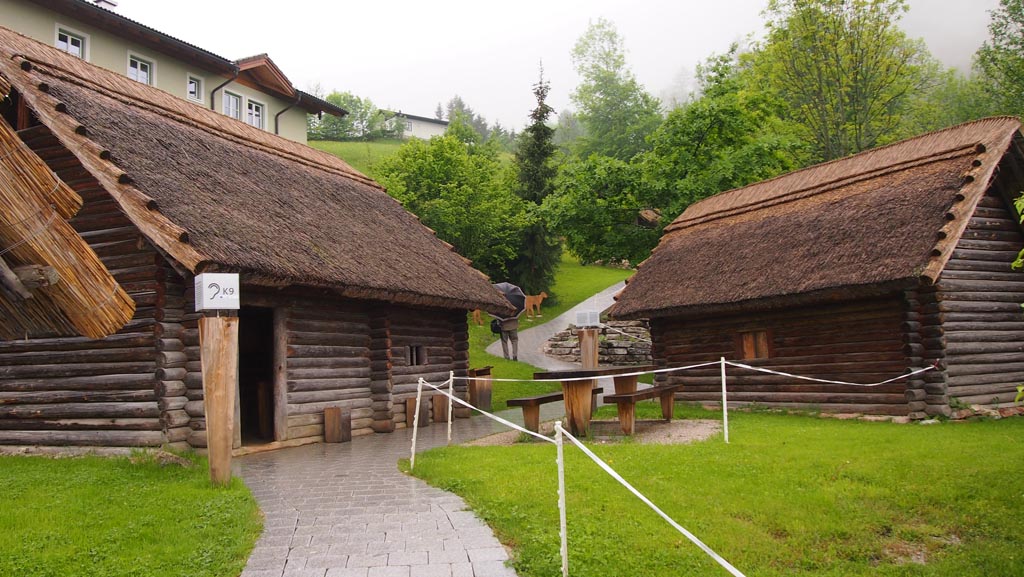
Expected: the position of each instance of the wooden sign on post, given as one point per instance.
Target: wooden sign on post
(218, 343)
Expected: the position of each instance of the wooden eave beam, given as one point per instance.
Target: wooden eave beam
(11, 283)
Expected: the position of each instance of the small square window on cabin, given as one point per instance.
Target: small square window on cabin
(195, 88)
(753, 345)
(73, 44)
(417, 355)
(140, 70)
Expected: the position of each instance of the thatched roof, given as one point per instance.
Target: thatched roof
(216, 194)
(867, 224)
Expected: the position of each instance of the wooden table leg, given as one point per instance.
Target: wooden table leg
(668, 405)
(577, 405)
(531, 417)
(627, 417)
(625, 384)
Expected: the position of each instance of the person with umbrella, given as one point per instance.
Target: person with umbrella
(510, 325)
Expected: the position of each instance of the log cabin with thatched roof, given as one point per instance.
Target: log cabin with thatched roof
(346, 299)
(853, 270)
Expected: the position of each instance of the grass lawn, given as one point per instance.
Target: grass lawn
(361, 155)
(574, 283)
(791, 495)
(95, 516)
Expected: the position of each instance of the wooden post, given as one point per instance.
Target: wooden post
(625, 384)
(218, 342)
(588, 347)
(577, 405)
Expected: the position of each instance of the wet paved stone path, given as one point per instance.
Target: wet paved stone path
(345, 510)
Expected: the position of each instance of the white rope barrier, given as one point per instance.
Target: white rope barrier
(634, 374)
(451, 394)
(491, 416)
(607, 469)
(831, 382)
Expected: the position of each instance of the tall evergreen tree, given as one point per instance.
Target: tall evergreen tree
(534, 269)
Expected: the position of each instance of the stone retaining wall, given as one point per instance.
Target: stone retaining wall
(614, 347)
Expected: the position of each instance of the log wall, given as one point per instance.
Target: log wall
(979, 299)
(859, 342)
(436, 333)
(106, 392)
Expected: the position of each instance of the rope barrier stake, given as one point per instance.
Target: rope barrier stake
(725, 405)
(451, 393)
(415, 424)
(563, 533)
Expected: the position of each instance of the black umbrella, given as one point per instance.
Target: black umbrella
(513, 295)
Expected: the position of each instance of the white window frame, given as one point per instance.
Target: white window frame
(67, 30)
(224, 104)
(200, 81)
(249, 104)
(151, 63)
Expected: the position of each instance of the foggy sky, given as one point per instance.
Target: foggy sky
(412, 55)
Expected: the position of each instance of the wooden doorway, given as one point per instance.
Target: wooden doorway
(256, 375)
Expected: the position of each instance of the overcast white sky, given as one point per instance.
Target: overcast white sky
(411, 55)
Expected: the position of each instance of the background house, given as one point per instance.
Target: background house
(346, 299)
(855, 270)
(253, 90)
(421, 126)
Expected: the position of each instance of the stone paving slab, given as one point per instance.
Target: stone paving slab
(344, 510)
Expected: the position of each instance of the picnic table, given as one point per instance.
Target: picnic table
(577, 385)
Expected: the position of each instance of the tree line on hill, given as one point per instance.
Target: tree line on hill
(830, 78)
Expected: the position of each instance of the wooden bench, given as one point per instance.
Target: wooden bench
(627, 404)
(531, 406)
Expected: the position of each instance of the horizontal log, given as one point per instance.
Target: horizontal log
(952, 326)
(982, 336)
(102, 355)
(308, 431)
(130, 424)
(171, 388)
(324, 325)
(976, 390)
(980, 285)
(178, 435)
(989, 244)
(48, 397)
(327, 384)
(978, 265)
(171, 360)
(327, 339)
(197, 439)
(1001, 399)
(318, 351)
(328, 373)
(195, 408)
(75, 370)
(176, 418)
(117, 341)
(329, 362)
(76, 410)
(172, 403)
(865, 397)
(959, 369)
(870, 409)
(92, 383)
(307, 397)
(170, 345)
(989, 254)
(983, 379)
(983, 307)
(306, 408)
(172, 374)
(84, 438)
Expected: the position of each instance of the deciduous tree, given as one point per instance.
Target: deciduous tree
(1001, 57)
(615, 110)
(844, 68)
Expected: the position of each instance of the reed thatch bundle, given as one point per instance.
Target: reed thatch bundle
(34, 230)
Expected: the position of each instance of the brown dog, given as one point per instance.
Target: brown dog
(478, 317)
(533, 304)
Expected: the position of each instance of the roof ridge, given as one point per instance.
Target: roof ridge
(824, 166)
(824, 187)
